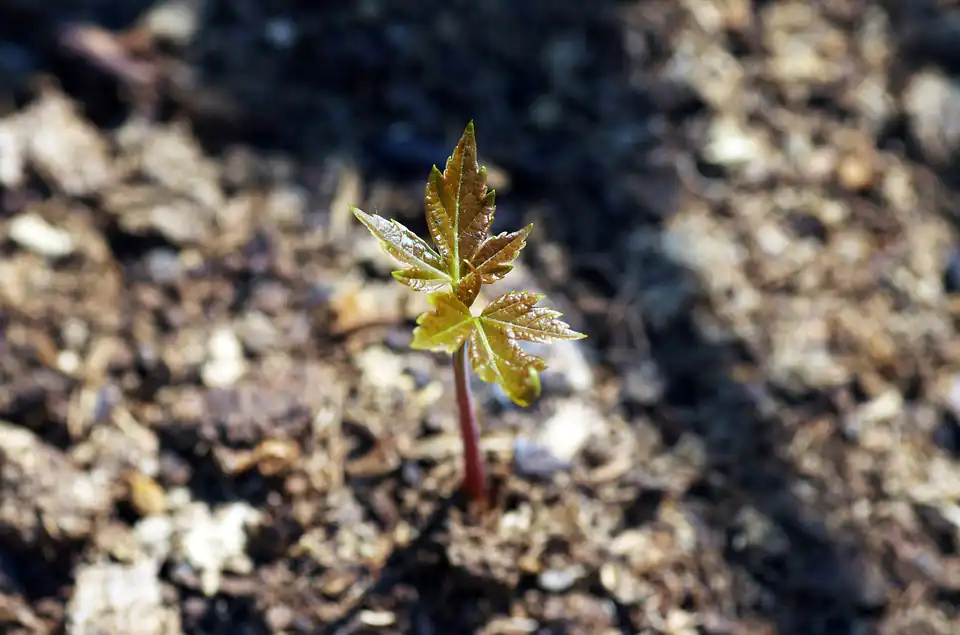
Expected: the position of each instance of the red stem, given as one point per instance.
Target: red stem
(474, 477)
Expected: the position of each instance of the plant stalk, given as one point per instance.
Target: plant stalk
(474, 474)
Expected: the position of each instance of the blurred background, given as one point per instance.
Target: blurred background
(210, 418)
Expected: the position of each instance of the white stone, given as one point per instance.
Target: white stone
(32, 232)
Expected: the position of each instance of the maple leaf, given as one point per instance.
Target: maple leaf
(446, 328)
(495, 353)
(459, 211)
(516, 313)
(493, 337)
(459, 206)
(492, 261)
(425, 269)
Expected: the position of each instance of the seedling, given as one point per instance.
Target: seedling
(464, 257)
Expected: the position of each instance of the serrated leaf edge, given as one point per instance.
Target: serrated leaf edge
(364, 217)
(501, 380)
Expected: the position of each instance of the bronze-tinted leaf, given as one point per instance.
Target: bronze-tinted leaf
(420, 280)
(517, 314)
(468, 289)
(497, 355)
(441, 219)
(492, 262)
(497, 358)
(459, 206)
(446, 327)
(476, 202)
(425, 269)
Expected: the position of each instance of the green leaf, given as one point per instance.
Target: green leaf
(446, 327)
(492, 262)
(441, 220)
(495, 352)
(496, 358)
(424, 268)
(460, 210)
(516, 313)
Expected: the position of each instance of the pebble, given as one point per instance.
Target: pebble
(855, 173)
(932, 103)
(569, 369)
(568, 430)
(43, 492)
(882, 408)
(68, 362)
(146, 495)
(281, 32)
(154, 535)
(258, 333)
(533, 460)
(119, 598)
(643, 384)
(12, 155)
(32, 232)
(279, 617)
(215, 542)
(176, 21)
(559, 580)
(163, 265)
(731, 144)
(620, 583)
(382, 369)
(225, 362)
(66, 149)
(377, 619)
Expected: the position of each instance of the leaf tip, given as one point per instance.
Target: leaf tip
(527, 390)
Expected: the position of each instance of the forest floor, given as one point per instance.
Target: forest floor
(210, 418)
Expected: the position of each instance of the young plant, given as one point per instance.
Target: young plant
(464, 256)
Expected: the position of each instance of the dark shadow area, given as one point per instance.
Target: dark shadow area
(40, 571)
(431, 595)
(814, 584)
(925, 35)
(391, 87)
(221, 615)
(419, 581)
(927, 32)
(184, 462)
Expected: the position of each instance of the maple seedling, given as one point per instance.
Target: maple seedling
(465, 256)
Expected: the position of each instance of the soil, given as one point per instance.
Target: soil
(210, 418)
